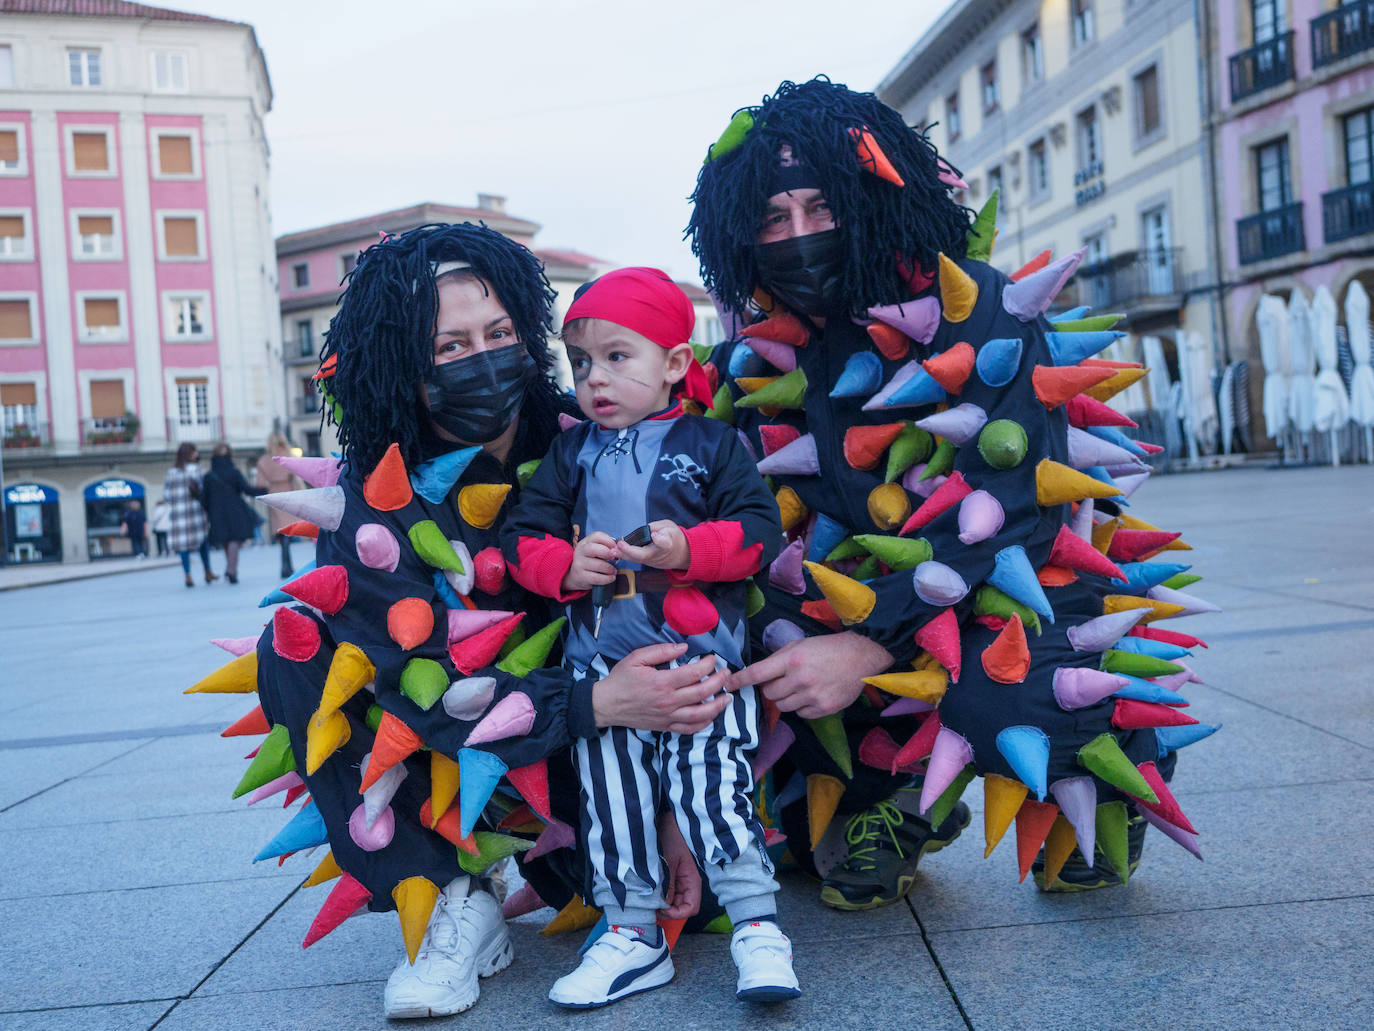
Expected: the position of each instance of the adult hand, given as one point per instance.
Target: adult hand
(816, 676)
(683, 890)
(593, 563)
(683, 700)
(669, 549)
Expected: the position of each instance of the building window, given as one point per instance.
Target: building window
(186, 316)
(988, 76)
(193, 402)
(1032, 55)
(16, 242)
(88, 152)
(83, 67)
(952, 116)
(101, 318)
(1272, 174)
(1038, 171)
(107, 404)
(169, 71)
(6, 67)
(994, 179)
(95, 235)
(1145, 89)
(175, 155)
(1082, 22)
(348, 262)
(305, 338)
(12, 157)
(181, 237)
(1267, 18)
(300, 275)
(1359, 146)
(20, 404)
(1089, 139)
(17, 320)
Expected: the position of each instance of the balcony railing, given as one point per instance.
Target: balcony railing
(198, 430)
(1270, 234)
(306, 347)
(1262, 66)
(1348, 212)
(1130, 278)
(306, 405)
(108, 432)
(26, 434)
(1338, 34)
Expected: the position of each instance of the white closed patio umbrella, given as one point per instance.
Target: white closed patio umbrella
(1331, 406)
(1198, 406)
(1362, 381)
(1271, 320)
(1302, 390)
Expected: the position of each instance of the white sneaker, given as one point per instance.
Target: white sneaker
(617, 965)
(763, 956)
(466, 939)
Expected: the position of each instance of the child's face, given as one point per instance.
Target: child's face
(621, 376)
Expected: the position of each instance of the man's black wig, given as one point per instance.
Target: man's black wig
(382, 338)
(880, 221)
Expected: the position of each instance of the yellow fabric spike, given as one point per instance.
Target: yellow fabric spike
(924, 660)
(958, 293)
(1114, 603)
(414, 898)
(1057, 484)
(325, 735)
(790, 507)
(1002, 797)
(575, 916)
(927, 685)
(349, 672)
(1109, 388)
(852, 601)
(478, 503)
(1058, 847)
(1177, 544)
(237, 677)
(326, 871)
(888, 506)
(749, 384)
(1103, 534)
(443, 784)
(822, 798)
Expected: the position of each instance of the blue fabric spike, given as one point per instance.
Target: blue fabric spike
(1147, 691)
(1112, 435)
(745, 361)
(1099, 473)
(998, 361)
(1072, 348)
(825, 537)
(794, 791)
(1013, 576)
(1141, 576)
(596, 932)
(1071, 314)
(433, 480)
(1027, 751)
(1171, 739)
(862, 376)
(306, 830)
(921, 389)
(277, 596)
(1155, 649)
(446, 592)
(478, 774)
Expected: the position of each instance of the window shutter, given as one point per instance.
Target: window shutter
(89, 153)
(107, 398)
(102, 312)
(15, 323)
(174, 155)
(9, 145)
(12, 226)
(179, 238)
(95, 225)
(18, 394)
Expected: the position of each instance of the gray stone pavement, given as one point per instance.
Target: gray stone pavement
(128, 900)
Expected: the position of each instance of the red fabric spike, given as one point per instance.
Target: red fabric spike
(254, 753)
(394, 742)
(345, 899)
(1054, 385)
(301, 528)
(712, 376)
(1131, 714)
(771, 712)
(951, 368)
(877, 749)
(874, 698)
(916, 279)
(1055, 576)
(688, 611)
(941, 500)
(1084, 411)
(1073, 552)
(784, 327)
(872, 159)
(324, 588)
(295, 635)
(864, 445)
(891, 342)
(517, 817)
(672, 929)
(1152, 633)
(533, 784)
(387, 487)
(920, 745)
(250, 723)
(330, 366)
(480, 649)
(822, 612)
(1033, 822)
(1167, 808)
(995, 623)
(1007, 660)
(450, 826)
(776, 436)
(292, 793)
(1148, 448)
(1138, 545)
(284, 857)
(489, 570)
(1031, 267)
(940, 637)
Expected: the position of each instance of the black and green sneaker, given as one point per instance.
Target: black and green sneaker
(885, 844)
(1077, 875)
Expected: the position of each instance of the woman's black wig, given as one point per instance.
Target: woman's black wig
(879, 220)
(382, 338)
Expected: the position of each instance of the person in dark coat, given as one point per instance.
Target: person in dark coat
(231, 521)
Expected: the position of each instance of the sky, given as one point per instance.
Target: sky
(590, 117)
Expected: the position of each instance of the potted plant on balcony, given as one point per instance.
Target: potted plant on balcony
(21, 436)
(131, 428)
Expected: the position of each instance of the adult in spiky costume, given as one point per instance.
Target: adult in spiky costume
(952, 483)
(409, 692)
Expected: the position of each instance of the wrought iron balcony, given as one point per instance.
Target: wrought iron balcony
(1268, 64)
(26, 435)
(1338, 34)
(1271, 234)
(106, 432)
(1130, 279)
(306, 405)
(1348, 212)
(197, 429)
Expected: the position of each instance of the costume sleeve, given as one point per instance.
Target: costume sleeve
(536, 539)
(744, 532)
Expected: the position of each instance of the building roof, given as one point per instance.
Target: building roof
(960, 25)
(570, 262)
(398, 221)
(105, 9)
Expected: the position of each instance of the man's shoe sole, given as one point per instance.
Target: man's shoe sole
(768, 993)
(832, 898)
(502, 958)
(1062, 887)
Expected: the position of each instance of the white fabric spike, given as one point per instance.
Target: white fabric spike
(323, 506)
(1029, 297)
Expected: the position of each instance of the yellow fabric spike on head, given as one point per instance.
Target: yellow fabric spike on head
(1002, 797)
(1103, 534)
(325, 736)
(237, 677)
(479, 503)
(958, 293)
(1109, 388)
(326, 871)
(822, 798)
(751, 384)
(1058, 847)
(415, 898)
(852, 601)
(443, 784)
(1114, 603)
(927, 685)
(790, 507)
(575, 916)
(1057, 484)
(349, 672)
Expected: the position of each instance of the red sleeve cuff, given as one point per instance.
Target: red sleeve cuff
(718, 552)
(543, 562)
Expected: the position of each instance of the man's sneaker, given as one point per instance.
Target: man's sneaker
(618, 964)
(763, 956)
(466, 939)
(1077, 875)
(885, 844)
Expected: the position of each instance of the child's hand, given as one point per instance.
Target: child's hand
(669, 549)
(593, 563)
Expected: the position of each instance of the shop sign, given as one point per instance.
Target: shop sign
(113, 490)
(29, 494)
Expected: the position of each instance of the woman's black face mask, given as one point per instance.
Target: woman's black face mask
(476, 397)
(804, 272)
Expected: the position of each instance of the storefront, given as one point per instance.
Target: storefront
(33, 523)
(106, 503)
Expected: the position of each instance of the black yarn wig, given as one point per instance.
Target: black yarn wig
(880, 222)
(382, 339)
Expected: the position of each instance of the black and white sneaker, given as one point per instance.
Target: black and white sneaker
(620, 963)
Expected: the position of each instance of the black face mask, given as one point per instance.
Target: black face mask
(476, 397)
(804, 272)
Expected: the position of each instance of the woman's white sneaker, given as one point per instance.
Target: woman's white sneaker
(763, 956)
(619, 964)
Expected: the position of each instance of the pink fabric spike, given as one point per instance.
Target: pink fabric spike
(282, 783)
(1086, 450)
(554, 836)
(346, 898)
(781, 356)
(951, 754)
(1193, 678)
(1077, 798)
(512, 716)
(1178, 834)
(1173, 681)
(378, 796)
(236, 645)
(1167, 807)
(466, 622)
(1192, 604)
(567, 422)
(947, 176)
(922, 488)
(786, 571)
(1076, 687)
(903, 373)
(918, 319)
(958, 425)
(798, 458)
(318, 472)
(951, 492)
(377, 547)
(526, 900)
(1099, 634)
(774, 743)
(877, 749)
(980, 517)
(376, 837)
(906, 707)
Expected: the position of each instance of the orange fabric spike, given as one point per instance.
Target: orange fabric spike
(672, 929)
(387, 487)
(822, 612)
(410, 622)
(784, 327)
(1034, 265)
(330, 366)
(864, 445)
(1033, 822)
(254, 722)
(449, 826)
(533, 784)
(872, 159)
(1055, 576)
(1059, 845)
(472, 653)
(301, 528)
(891, 342)
(951, 368)
(394, 742)
(1007, 660)
(1056, 384)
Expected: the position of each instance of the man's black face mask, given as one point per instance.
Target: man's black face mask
(803, 272)
(476, 397)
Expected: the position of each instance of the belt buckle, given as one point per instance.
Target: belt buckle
(628, 575)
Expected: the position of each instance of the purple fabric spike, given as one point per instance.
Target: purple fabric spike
(786, 571)
(903, 373)
(774, 743)
(798, 458)
(782, 357)
(958, 425)
(282, 783)
(1082, 522)
(236, 645)
(377, 547)
(512, 716)
(1173, 681)
(937, 584)
(567, 422)
(781, 632)
(378, 797)
(1192, 604)
(1097, 635)
(1031, 296)
(553, 837)
(918, 319)
(1077, 798)
(1184, 838)
(376, 837)
(1076, 687)
(912, 481)
(950, 754)
(318, 472)
(980, 517)
(1086, 451)
(906, 707)
(731, 322)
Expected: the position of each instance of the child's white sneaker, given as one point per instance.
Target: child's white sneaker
(763, 955)
(618, 964)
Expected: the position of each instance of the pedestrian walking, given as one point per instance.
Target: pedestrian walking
(162, 522)
(135, 527)
(277, 479)
(232, 521)
(182, 488)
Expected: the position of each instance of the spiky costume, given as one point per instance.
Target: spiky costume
(955, 489)
(406, 693)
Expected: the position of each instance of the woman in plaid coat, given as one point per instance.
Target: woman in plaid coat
(182, 490)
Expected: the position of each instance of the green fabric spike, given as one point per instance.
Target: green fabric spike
(944, 805)
(754, 601)
(702, 352)
(1134, 664)
(787, 391)
(335, 409)
(491, 848)
(912, 445)
(989, 601)
(515, 640)
(532, 653)
(1092, 324)
(723, 409)
(720, 925)
(374, 717)
(1002, 443)
(1103, 757)
(897, 553)
(1112, 820)
(274, 759)
(423, 681)
(829, 731)
(865, 570)
(732, 137)
(431, 545)
(984, 230)
(847, 548)
(941, 462)
(525, 470)
(1181, 580)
